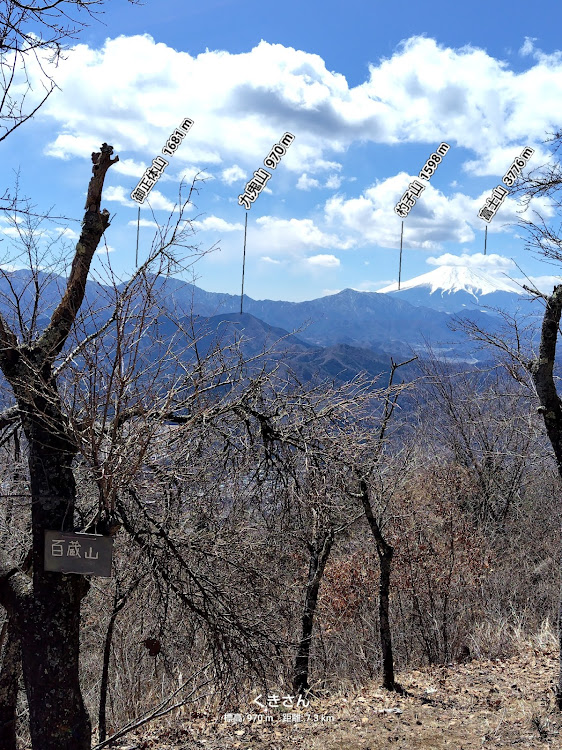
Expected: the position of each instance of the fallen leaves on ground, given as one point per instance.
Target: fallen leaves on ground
(489, 705)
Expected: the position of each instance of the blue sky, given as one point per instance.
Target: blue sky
(368, 90)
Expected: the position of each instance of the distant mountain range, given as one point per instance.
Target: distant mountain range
(336, 336)
(454, 289)
(365, 319)
(396, 322)
(340, 362)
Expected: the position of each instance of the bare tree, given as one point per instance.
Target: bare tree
(479, 421)
(21, 37)
(542, 372)
(344, 428)
(544, 238)
(72, 422)
(319, 548)
(45, 612)
(368, 462)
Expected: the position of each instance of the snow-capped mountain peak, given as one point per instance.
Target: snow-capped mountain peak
(452, 279)
(454, 288)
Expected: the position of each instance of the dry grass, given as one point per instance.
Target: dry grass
(492, 704)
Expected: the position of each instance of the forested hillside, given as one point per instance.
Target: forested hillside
(323, 512)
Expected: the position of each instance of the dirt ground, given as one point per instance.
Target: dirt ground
(481, 704)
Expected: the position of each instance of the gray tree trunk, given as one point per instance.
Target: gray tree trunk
(319, 553)
(9, 678)
(45, 612)
(385, 552)
(542, 372)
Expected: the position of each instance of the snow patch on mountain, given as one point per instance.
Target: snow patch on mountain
(450, 279)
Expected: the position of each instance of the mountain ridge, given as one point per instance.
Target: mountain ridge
(382, 323)
(453, 288)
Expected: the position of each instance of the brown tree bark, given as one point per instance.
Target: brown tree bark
(385, 552)
(50, 630)
(319, 552)
(542, 372)
(9, 678)
(46, 611)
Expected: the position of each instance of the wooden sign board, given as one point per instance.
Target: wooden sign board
(88, 554)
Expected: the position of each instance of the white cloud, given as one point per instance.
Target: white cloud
(157, 201)
(291, 237)
(188, 174)
(68, 233)
(143, 223)
(241, 103)
(324, 261)
(499, 160)
(132, 168)
(527, 48)
(267, 259)
(232, 174)
(365, 286)
(333, 182)
(56, 232)
(370, 218)
(104, 250)
(544, 284)
(372, 286)
(435, 219)
(306, 183)
(66, 146)
(117, 193)
(214, 223)
(492, 262)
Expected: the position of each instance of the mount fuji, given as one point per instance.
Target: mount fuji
(454, 289)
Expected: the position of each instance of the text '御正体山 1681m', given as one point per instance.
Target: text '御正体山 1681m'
(159, 164)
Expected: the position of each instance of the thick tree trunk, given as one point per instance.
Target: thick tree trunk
(542, 372)
(319, 552)
(46, 612)
(49, 629)
(9, 678)
(385, 559)
(47, 617)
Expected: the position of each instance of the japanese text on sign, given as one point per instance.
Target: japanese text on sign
(488, 211)
(159, 164)
(415, 188)
(516, 166)
(261, 176)
(274, 700)
(88, 554)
